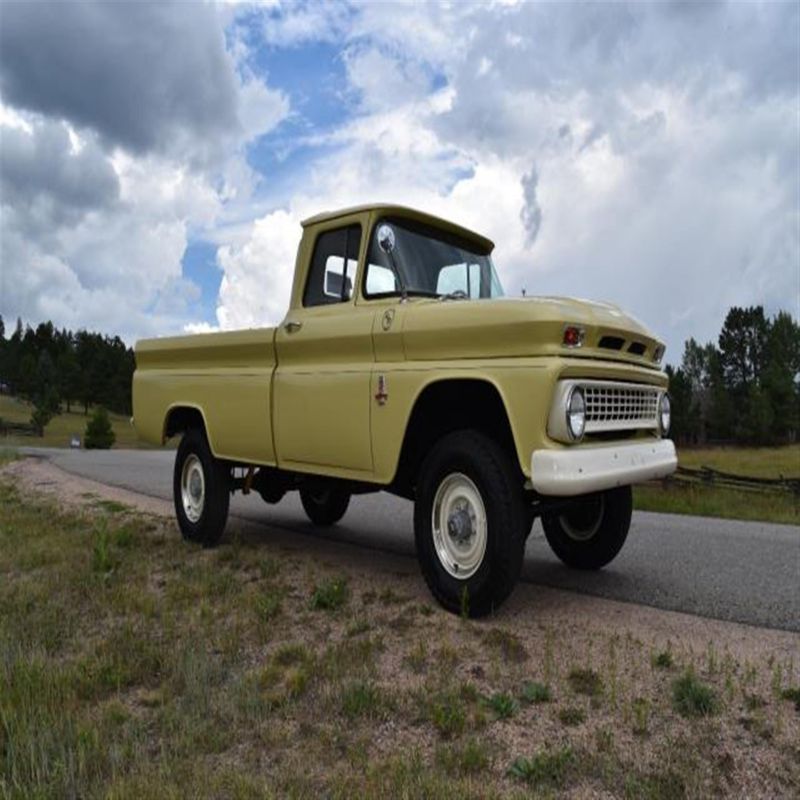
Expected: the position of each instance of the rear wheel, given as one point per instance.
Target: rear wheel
(201, 490)
(469, 523)
(324, 506)
(590, 533)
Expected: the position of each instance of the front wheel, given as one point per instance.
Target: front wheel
(324, 506)
(590, 533)
(469, 523)
(201, 490)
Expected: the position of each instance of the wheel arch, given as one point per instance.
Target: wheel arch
(443, 405)
(181, 417)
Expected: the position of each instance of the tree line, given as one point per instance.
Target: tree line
(743, 389)
(55, 369)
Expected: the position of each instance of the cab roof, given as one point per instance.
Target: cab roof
(404, 212)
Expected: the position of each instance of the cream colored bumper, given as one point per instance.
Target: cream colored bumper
(568, 472)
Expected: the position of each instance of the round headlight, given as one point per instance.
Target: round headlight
(576, 414)
(664, 414)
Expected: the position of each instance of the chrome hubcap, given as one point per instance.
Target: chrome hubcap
(459, 526)
(582, 522)
(193, 488)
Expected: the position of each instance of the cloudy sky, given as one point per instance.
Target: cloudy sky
(155, 159)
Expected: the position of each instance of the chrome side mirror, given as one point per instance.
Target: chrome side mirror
(386, 238)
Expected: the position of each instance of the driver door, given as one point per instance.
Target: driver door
(325, 358)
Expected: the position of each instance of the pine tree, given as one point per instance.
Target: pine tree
(99, 434)
(45, 393)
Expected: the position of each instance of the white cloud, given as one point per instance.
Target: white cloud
(664, 153)
(103, 189)
(644, 154)
(258, 274)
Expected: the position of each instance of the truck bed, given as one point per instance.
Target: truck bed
(226, 376)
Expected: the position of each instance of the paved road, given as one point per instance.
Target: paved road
(741, 571)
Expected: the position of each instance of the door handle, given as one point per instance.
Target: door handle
(292, 326)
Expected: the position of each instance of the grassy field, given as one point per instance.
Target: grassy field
(62, 427)
(756, 462)
(135, 666)
(760, 462)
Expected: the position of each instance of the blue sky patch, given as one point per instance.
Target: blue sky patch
(200, 266)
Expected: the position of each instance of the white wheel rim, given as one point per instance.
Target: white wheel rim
(193, 488)
(582, 531)
(459, 526)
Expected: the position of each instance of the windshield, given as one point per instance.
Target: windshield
(429, 262)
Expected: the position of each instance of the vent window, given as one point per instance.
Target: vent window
(637, 348)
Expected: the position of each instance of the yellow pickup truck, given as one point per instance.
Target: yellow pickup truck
(400, 367)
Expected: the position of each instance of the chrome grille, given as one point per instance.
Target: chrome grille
(611, 407)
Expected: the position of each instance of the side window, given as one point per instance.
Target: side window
(332, 272)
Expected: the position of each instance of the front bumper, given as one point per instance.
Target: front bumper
(563, 473)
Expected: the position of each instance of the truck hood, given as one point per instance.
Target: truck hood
(530, 326)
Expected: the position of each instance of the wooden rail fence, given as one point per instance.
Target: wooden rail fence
(707, 476)
(17, 428)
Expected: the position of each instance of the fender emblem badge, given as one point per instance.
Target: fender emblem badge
(381, 395)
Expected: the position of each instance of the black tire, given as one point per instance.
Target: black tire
(590, 534)
(324, 506)
(209, 525)
(492, 473)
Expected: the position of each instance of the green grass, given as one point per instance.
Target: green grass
(792, 693)
(470, 758)
(547, 769)
(365, 699)
(533, 692)
(572, 715)
(7, 454)
(693, 698)
(330, 595)
(709, 501)
(63, 427)
(502, 704)
(585, 682)
(662, 660)
(755, 462)
(133, 665)
(447, 711)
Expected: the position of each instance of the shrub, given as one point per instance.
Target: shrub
(447, 713)
(662, 660)
(534, 692)
(364, 699)
(545, 769)
(792, 693)
(99, 435)
(693, 698)
(572, 715)
(585, 681)
(330, 595)
(502, 704)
